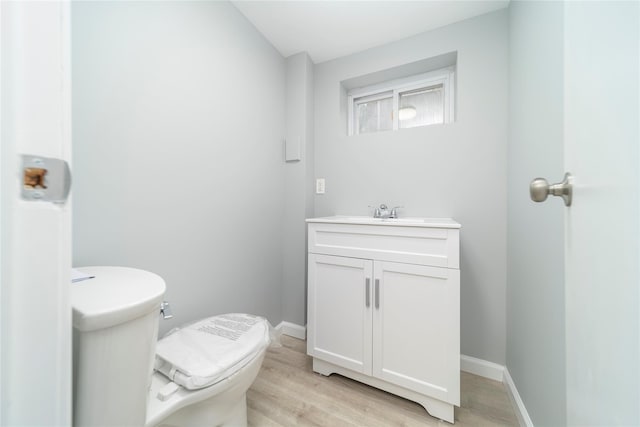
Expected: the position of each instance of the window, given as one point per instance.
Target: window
(421, 100)
(374, 113)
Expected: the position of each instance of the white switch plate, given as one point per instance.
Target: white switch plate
(320, 186)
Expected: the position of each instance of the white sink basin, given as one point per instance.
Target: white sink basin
(390, 220)
(406, 221)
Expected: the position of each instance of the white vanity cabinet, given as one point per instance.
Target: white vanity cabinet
(384, 306)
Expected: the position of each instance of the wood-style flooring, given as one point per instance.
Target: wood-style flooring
(288, 393)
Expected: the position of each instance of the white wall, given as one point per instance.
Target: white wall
(535, 261)
(297, 187)
(457, 170)
(178, 113)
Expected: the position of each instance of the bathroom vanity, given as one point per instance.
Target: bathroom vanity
(384, 305)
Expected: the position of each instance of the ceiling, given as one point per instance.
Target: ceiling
(333, 28)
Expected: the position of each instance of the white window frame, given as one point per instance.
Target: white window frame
(443, 76)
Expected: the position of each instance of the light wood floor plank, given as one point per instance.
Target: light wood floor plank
(288, 393)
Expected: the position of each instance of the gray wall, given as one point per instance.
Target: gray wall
(298, 186)
(457, 170)
(178, 123)
(535, 261)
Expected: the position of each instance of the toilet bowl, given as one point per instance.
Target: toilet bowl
(221, 404)
(196, 375)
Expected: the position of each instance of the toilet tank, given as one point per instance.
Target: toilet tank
(115, 327)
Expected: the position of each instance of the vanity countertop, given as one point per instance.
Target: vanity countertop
(398, 222)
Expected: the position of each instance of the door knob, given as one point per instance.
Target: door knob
(539, 189)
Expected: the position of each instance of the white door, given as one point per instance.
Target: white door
(35, 334)
(339, 313)
(416, 324)
(602, 142)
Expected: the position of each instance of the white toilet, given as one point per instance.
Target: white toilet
(202, 371)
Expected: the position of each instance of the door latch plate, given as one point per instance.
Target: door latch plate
(44, 179)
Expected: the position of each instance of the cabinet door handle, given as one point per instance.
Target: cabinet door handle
(368, 292)
(377, 293)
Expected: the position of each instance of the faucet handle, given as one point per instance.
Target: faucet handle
(376, 212)
(394, 213)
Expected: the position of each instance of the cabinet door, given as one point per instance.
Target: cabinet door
(416, 323)
(339, 312)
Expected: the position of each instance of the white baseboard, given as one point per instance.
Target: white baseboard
(292, 330)
(482, 368)
(518, 404)
(496, 372)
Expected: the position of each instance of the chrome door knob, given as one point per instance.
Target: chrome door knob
(539, 189)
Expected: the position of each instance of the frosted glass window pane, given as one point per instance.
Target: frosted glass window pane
(375, 115)
(386, 114)
(428, 104)
(368, 117)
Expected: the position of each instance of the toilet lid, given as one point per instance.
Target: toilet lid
(207, 351)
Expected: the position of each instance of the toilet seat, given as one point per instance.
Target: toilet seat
(207, 351)
(214, 358)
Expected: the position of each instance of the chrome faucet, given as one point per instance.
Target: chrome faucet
(384, 212)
